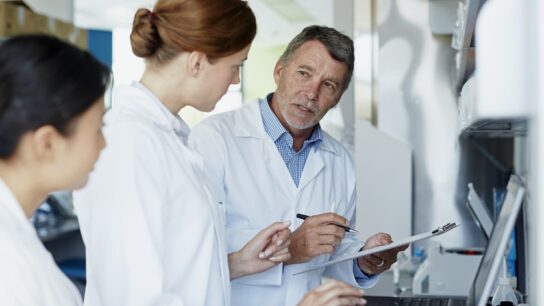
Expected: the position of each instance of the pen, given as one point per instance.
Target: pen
(346, 228)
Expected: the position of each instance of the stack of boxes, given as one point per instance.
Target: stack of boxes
(16, 18)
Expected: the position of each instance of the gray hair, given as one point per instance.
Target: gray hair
(339, 45)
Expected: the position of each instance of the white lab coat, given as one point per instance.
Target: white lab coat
(28, 273)
(153, 232)
(250, 177)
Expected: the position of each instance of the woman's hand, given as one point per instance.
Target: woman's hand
(268, 248)
(333, 293)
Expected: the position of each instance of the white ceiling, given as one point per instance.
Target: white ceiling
(273, 26)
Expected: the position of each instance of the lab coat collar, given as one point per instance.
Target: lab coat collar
(252, 126)
(154, 108)
(10, 207)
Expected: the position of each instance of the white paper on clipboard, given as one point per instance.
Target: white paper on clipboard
(439, 231)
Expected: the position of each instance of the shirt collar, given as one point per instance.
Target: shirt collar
(174, 120)
(272, 124)
(275, 129)
(9, 204)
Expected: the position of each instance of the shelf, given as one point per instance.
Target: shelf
(58, 229)
(467, 13)
(496, 128)
(465, 64)
(463, 39)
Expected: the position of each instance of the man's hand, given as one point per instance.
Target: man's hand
(333, 293)
(317, 235)
(268, 248)
(379, 262)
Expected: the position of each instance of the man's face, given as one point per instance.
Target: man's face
(309, 84)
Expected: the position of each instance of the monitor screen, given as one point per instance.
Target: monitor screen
(496, 247)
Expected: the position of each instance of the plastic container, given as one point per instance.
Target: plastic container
(504, 294)
(405, 268)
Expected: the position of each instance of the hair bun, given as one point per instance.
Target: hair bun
(144, 38)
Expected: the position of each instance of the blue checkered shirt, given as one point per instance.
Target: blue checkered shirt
(295, 161)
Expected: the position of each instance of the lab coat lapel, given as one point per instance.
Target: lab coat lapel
(251, 126)
(317, 160)
(249, 122)
(277, 168)
(314, 165)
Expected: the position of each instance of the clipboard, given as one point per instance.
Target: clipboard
(438, 231)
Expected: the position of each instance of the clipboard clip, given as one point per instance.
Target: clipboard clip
(444, 228)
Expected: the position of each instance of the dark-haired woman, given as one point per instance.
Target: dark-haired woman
(152, 227)
(51, 107)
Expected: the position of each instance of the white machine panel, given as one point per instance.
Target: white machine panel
(384, 186)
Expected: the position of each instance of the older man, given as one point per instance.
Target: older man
(270, 160)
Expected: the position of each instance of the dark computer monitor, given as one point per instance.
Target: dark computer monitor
(494, 254)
